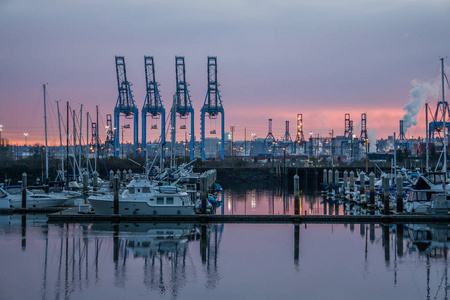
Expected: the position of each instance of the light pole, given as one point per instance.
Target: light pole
(1, 129)
(25, 134)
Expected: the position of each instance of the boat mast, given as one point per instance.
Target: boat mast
(426, 136)
(445, 107)
(81, 146)
(60, 143)
(87, 141)
(46, 146)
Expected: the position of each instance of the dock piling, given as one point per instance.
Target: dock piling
(85, 177)
(399, 183)
(111, 179)
(362, 182)
(24, 190)
(345, 179)
(116, 194)
(372, 190)
(330, 180)
(125, 177)
(385, 185)
(296, 194)
(203, 191)
(95, 180)
(336, 182)
(352, 181)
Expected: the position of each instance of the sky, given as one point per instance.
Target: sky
(275, 59)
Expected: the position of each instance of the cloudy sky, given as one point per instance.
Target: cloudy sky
(275, 59)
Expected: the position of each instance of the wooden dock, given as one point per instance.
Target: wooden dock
(72, 216)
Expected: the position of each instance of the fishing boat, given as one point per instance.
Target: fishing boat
(142, 197)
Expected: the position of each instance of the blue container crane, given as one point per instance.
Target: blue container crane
(153, 104)
(213, 105)
(124, 105)
(181, 103)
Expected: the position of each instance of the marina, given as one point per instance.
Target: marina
(224, 150)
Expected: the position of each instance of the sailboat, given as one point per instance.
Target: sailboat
(430, 188)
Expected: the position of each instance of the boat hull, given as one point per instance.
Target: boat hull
(106, 207)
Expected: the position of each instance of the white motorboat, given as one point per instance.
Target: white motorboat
(141, 197)
(419, 199)
(35, 199)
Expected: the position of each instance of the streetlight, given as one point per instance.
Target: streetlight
(1, 129)
(25, 134)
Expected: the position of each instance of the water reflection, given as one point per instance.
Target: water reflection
(187, 261)
(276, 200)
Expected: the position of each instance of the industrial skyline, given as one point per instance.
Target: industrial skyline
(275, 60)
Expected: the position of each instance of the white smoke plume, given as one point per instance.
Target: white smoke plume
(421, 91)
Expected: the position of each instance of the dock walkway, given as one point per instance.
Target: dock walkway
(71, 215)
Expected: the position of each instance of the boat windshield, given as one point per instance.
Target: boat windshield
(437, 178)
(14, 190)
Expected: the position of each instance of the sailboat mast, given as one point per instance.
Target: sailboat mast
(87, 141)
(444, 107)
(427, 137)
(80, 135)
(67, 145)
(46, 146)
(60, 142)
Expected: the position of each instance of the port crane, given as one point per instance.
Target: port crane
(182, 105)
(125, 105)
(212, 106)
(152, 104)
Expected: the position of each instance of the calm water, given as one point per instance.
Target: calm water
(270, 198)
(223, 261)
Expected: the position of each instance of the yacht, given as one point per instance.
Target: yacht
(142, 197)
(35, 198)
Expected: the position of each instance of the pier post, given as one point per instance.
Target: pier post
(119, 175)
(125, 177)
(372, 190)
(296, 194)
(399, 183)
(325, 176)
(352, 181)
(85, 177)
(111, 179)
(345, 178)
(330, 180)
(24, 190)
(116, 194)
(386, 195)
(95, 181)
(203, 191)
(336, 182)
(362, 184)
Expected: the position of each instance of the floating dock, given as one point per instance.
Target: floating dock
(72, 216)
